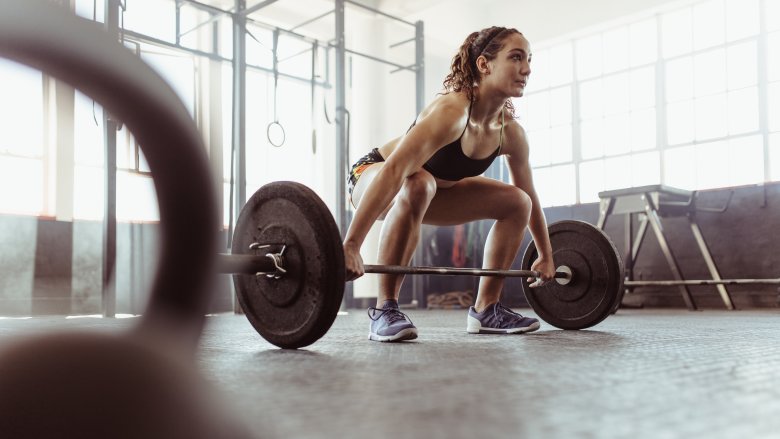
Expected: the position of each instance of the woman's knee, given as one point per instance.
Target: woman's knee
(418, 189)
(517, 203)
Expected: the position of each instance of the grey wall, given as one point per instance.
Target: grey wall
(54, 267)
(743, 241)
(50, 267)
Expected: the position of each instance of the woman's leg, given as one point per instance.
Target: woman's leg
(479, 198)
(401, 228)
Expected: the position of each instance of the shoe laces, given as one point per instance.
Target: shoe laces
(504, 311)
(393, 315)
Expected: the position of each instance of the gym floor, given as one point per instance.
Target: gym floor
(640, 373)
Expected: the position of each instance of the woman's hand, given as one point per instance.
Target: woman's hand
(353, 262)
(546, 267)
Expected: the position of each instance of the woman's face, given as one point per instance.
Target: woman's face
(510, 69)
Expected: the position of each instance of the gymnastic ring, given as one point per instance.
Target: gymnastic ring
(268, 133)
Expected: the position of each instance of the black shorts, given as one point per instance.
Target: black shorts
(361, 165)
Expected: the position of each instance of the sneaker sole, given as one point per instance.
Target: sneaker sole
(481, 330)
(402, 335)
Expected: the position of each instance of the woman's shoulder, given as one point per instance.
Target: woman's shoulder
(514, 133)
(447, 105)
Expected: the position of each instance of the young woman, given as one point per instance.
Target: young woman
(432, 175)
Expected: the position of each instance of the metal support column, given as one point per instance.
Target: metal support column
(238, 165)
(239, 109)
(419, 77)
(109, 209)
(341, 123)
(342, 152)
(655, 223)
(419, 60)
(724, 294)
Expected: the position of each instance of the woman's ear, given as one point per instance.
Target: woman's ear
(482, 65)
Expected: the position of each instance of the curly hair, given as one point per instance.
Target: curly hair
(464, 76)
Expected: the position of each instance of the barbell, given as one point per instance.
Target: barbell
(288, 269)
(289, 275)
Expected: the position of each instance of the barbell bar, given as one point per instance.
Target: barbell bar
(271, 263)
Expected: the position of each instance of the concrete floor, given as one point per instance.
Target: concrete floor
(640, 373)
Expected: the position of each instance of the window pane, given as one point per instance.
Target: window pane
(560, 106)
(711, 117)
(709, 72)
(125, 149)
(773, 56)
(680, 122)
(676, 33)
(772, 15)
(679, 168)
(742, 19)
(21, 109)
(561, 64)
(742, 65)
(591, 180)
(591, 101)
(643, 129)
(88, 132)
(708, 24)
(88, 194)
(617, 172)
(179, 72)
(616, 134)
(560, 144)
(539, 147)
(616, 48)
(679, 79)
(616, 93)
(642, 83)
(645, 169)
(589, 57)
(746, 160)
(89, 9)
(774, 106)
(556, 185)
(152, 17)
(25, 176)
(136, 199)
(743, 110)
(259, 46)
(712, 165)
(521, 109)
(538, 111)
(774, 156)
(540, 71)
(644, 42)
(591, 137)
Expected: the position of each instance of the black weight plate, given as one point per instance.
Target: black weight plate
(299, 308)
(596, 282)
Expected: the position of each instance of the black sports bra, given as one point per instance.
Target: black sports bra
(450, 163)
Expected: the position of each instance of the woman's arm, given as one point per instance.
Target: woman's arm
(517, 152)
(441, 126)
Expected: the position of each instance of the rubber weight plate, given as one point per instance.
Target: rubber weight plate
(596, 282)
(297, 309)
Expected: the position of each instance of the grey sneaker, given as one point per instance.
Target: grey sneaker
(498, 319)
(390, 324)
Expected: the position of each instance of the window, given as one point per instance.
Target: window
(676, 96)
(546, 114)
(21, 145)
